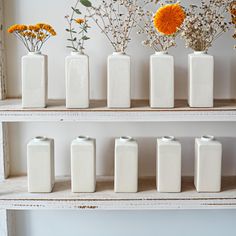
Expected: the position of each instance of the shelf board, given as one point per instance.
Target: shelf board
(14, 195)
(11, 111)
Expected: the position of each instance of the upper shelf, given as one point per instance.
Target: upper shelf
(11, 111)
(14, 195)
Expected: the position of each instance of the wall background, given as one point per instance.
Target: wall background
(35, 223)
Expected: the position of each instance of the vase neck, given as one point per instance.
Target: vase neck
(126, 139)
(40, 139)
(207, 138)
(200, 52)
(82, 138)
(118, 53)
(35, 53)
(168, 138)
(161, 52)
(74, 53)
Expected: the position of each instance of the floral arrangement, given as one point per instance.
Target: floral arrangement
(33, 36)
(204, 24)
(233, 14)
(162, 27)
(78, 29)
(115, 19)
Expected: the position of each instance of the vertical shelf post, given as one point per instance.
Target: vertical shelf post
(3, 90)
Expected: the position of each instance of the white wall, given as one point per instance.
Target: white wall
(105, 223)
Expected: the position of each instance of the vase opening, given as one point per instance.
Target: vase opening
(40, 138)
(168, 138)
(207, 138)
(82, 138)
(126, 138)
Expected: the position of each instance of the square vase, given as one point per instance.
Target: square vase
(77, 80)
(200, 80)
(168, 165)
(208, 164)
(34, 80)
(83, 165)
(161, 80)
(40, 165)
(126, 165)
(119, 81)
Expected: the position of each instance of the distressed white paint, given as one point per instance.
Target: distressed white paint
(11, 111)
(106, 199)
(4, 152)
(7, 223)
(3, 91)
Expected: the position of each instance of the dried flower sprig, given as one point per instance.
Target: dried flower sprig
(33, 36)
(115, 19)
(162, 27)
(205, 23)
(77, 29)
(233, 15)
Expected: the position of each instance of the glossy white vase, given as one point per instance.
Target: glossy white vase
(77, 80)
(83, 165)
(161, 80)
(200, 80)
(208, 164)
(168, 165)
(126, 165)
(34, 80)
(40, 165)
(119, 81)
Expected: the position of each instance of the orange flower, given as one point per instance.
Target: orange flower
(79, 21)
(169, 18)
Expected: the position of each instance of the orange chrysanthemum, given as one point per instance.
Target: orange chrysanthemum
(169, 18)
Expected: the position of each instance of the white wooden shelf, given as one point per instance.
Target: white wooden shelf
(14, 195)
(11, 111)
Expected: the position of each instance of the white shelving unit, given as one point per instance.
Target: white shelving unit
(13, 190)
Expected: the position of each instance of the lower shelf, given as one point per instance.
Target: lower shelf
(14, 195)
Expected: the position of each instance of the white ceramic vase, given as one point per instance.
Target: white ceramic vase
(77, 80)
(40, 165)
(161, 80)
(208, 164)
(83, 165)
(119, 80)
(200, 80)
(126, 165)
(34, 80)
(168, 165)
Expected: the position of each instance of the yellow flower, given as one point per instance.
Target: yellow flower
(169, 18)
(18, 28)
(79, 21)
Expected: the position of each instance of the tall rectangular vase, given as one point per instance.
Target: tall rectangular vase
(77, 80)
(201, 80)
(119, 81)
(161, 80)
(34, 80)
